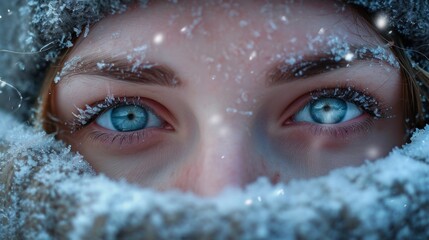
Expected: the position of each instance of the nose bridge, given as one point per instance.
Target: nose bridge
(222, 161)
(223, 155)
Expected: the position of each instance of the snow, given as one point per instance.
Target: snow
(69, 66)
(137, 56)
(241, 112)
(84, 115)
(338, 48)
(54, 194)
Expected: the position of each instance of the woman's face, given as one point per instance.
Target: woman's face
(200, 96)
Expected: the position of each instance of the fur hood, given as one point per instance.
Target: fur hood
(48, 192)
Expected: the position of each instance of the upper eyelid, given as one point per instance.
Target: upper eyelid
(364, 100)
(86, 116)
(326, 91)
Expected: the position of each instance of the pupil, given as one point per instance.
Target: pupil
(326, 108)
(131, 116)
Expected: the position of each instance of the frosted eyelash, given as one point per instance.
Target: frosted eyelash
(366, 102)
(85, 116)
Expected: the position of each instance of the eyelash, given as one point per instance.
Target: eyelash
(86, 116)
(369, 105)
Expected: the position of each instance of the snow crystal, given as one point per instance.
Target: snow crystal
(69, 66)
(137, 57)
(197, 13)
(383, 199)
(243, 23)
(103, 66)
(339, 49)
(115, 35)
(85, 34)
(234, 110)
(84, 115)
(381, 53)
(256, 34)
(77, 31)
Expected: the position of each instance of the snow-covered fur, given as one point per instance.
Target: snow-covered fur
(38, 30)
(48, 192)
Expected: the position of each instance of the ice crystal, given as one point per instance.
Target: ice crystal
(137, 57)
(52, 193)
(234, 110)
(338, 49)
(69, 67)
(84, 115)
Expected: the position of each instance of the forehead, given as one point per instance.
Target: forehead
(236, 36)
(218, 23)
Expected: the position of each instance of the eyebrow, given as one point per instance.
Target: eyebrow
(124, 70)
(157, 74)
(313, 65)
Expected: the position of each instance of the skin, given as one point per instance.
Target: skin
(225, 124)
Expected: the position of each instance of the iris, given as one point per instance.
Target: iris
(129, 118)
(328, 110)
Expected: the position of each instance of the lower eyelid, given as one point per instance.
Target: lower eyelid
(359, 125)
(124, 141)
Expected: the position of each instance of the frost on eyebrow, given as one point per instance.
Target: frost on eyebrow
(341, 49)
(69, 66)
(337, 48)
(137, 56)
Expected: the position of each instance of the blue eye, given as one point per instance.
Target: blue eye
(328, 111)
(127, 118)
